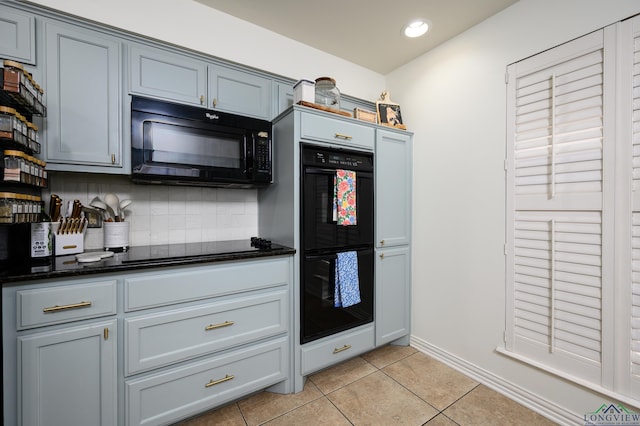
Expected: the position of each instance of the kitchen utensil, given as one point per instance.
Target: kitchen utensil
(97, 203)
(113, 205)
(123, 205)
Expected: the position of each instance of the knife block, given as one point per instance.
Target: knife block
(71, 243)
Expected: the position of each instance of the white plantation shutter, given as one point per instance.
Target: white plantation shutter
(558, 138)
(634, 299)
(635, 302)
(558, 256)
(557, 289)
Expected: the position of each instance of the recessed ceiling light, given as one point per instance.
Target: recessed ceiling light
(416, 29)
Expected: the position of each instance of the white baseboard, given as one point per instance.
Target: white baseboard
(545, 408)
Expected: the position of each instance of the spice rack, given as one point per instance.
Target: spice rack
(22, 175)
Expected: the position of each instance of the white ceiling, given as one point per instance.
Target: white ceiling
(368, 33)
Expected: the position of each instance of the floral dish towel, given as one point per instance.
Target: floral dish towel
(344, 198)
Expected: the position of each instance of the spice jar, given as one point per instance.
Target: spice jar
(8, 122)
(12, 165)
(7, 202)
(327, 94)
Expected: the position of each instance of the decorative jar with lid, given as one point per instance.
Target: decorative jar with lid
(327, 94)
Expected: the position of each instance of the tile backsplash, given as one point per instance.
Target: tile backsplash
(162, 214)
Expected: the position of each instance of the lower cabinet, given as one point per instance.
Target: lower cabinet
(174, 394)
(69, 376)
(145, 348)
(332, 350)
(393, 298)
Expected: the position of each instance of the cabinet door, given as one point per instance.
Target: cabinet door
(17, 36)
(393, 188)
(82, 83)
(68, 376)
(283, 98)
(239, 92)
(393, 288)
(162, 74)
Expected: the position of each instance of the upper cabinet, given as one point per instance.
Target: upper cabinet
(239, 92)
(182, 78)
(393, 188)
(162, 74)
(83, 81)
(17, 36)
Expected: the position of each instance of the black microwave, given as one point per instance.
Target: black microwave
(180, 144)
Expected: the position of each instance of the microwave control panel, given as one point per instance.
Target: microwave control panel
(262, 153)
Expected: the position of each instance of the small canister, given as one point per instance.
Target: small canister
(304, 90)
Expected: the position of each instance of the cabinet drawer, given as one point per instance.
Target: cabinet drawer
(317, 127)
(54, 305)
(321, 354)
(183, 285)
(160, 339)
(182, 392)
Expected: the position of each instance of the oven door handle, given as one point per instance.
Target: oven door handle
(313, 257)
(319, 171)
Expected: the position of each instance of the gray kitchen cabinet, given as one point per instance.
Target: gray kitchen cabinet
(393, 236)
(60, 352)
(82, 81)
(282, 97)
(170, 76)
(150, 347)
(393, 294)
(393, 188)
(240, 92)
(69, 376)
(17, 36)
(174, 76)
(198, 337)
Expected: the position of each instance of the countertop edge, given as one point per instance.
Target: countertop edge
(100, 267)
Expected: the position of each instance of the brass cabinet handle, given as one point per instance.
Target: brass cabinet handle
(342, 349)
(105, 333)
(381, 242)
(212, 382)
(222, 324)
(381, 255)
(215, 102)
(58, 308)
(113, 159)
(341, 136)
(201, 99)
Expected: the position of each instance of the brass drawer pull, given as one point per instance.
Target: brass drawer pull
(222, 324)
(341, 136)
(212, 382)
(342, 349)
(58, 308)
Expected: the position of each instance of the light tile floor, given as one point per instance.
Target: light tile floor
(390, 385)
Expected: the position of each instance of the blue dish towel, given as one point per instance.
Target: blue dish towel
(347, 285)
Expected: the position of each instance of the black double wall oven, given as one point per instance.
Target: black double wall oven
(326, 242)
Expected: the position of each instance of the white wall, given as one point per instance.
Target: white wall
(190, 24)
(453, 98)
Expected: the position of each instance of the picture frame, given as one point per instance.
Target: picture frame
(389, 114)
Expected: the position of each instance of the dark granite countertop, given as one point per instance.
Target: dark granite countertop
(139, 258)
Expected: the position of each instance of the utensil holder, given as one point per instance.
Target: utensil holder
(116, 236)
